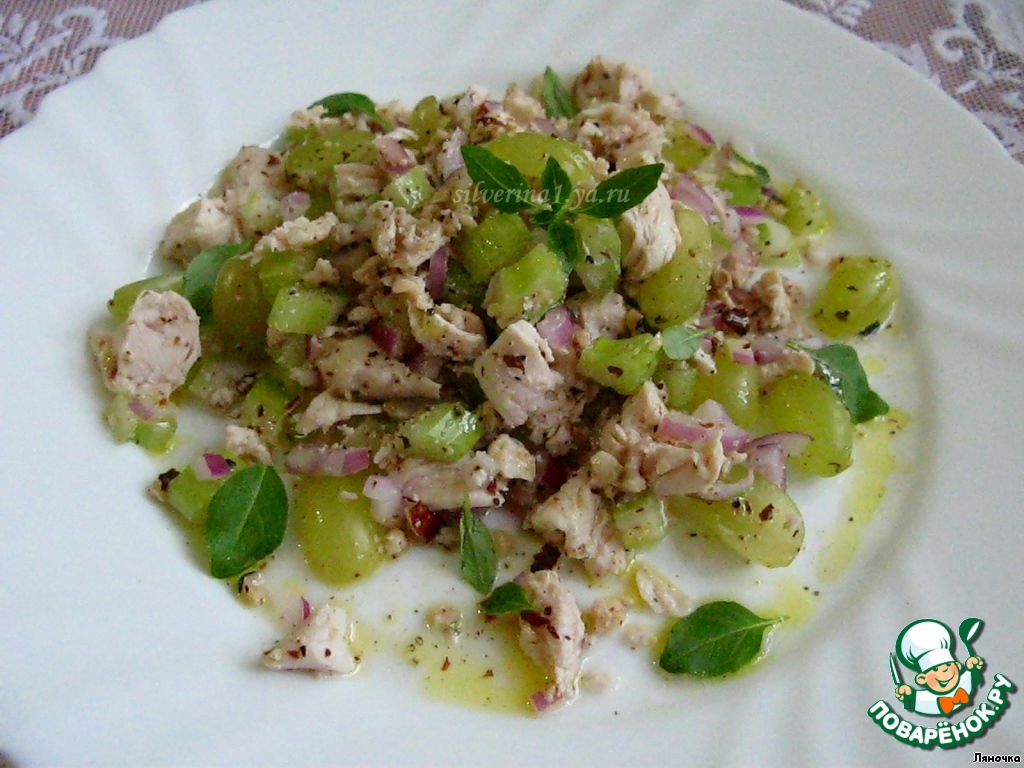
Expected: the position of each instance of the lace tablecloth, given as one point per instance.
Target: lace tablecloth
(972, 49)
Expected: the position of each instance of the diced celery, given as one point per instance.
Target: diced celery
(265, 409)
(290, 350)
(444, 432)
(153, 434)
(301, 309)
(410, 190)
(806, 215)
(121, 419)
(461, 290)
(622, 364)
(683, 150)
(426, 119)
(124, 297)
(310, 163)
(283, 269)
(495, 242)
(743, 189)
(775, 246)
(529, 152)
(600, 254)
(259, 213)
(526, 289)
(677, 291)
(641, 522)
(679, 379)
(190, 496)
(156, 434)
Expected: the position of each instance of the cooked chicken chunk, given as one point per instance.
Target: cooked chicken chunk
(153, 351)
(575, 520)
(358, 368)
(553, 635)
(319, 645)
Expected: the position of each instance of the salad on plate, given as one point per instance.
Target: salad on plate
(538, 331)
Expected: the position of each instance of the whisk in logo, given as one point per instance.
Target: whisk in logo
(943, 687)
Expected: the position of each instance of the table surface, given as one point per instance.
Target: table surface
(972, 49)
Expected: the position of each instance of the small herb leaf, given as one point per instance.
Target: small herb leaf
(501, 184)
(555, 184)
(557, 101)
(338, 104)
(760, 172)
(562, 240)
(681, 341)
(716, 639)
(479, 562)
(507, 598)
(246, 521)
(626, 189)
(542, 218)
(201, 275)
(841, 368)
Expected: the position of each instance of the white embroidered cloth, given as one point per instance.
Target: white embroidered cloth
(972, 49)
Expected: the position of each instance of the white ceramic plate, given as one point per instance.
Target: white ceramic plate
(115, 648)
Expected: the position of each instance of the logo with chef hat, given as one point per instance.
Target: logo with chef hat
(927, 647)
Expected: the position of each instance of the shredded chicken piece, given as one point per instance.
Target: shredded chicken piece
(553, 635)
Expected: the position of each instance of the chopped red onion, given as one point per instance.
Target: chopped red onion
(767, 454)
(700, 134)
(385, 495)
(294, 204)
(387, 336)
(690, 193)
(142, 409)
(684, 428)
(437, 273)
(394, 157)
(216, 465)
(721, 491)
(449, 159)
(307, 609)
(767, 348)
(335, 461)
(744, 355)
(751, 214)
(770, 461)
(544, 125)
(557, 327)
(544, 699)
(427, 364)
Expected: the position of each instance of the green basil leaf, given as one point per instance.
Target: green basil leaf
(479, 561)
(841, 368)
(508, 598)
(201, 275)
(337, 104)
(557, 101)
(501, 184)
(555, 185)
(681, 341)
(716, 639)
(246, 520)
(763, 177)
(562, 240)
(626, 189)
(542, 218)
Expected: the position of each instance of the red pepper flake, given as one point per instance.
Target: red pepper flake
(545, 559)
(425, 522)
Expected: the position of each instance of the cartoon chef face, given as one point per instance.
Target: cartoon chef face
(941, 678)
(926, 646)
